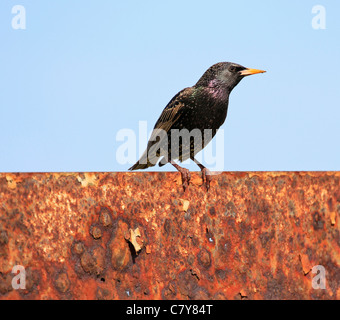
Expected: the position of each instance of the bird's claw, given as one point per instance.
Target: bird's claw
(206, 178)
(185, 178)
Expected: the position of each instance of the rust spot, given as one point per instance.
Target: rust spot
(196, 273)
(5, 283)
(119, 248)
(332, 216)
(78, 248)
(254, 235)
(96, 232)
(33, 280)
(148, 249)
(317, 221)
(306, 265)
(212, 211)
(187, 284)
(210, 237)
(134, 239)
(170, 291)
(243, 294)
(231, 210)
(93, 261)
(11, 181)
(3, 237)
(204, 258)
(62, 282)
(105, 217)
(167, 226)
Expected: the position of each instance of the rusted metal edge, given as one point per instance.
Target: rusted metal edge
(254, 235)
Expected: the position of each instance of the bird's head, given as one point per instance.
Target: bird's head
(225, 76)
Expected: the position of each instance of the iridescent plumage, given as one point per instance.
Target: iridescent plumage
(198, 109)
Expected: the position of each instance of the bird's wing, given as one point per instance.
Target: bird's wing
(174, 110)
(171, 113)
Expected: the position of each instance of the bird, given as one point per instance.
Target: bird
(179, 133)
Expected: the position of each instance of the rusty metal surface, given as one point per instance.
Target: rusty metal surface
(255, 235)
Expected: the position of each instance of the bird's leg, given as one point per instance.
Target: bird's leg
(206, 174)
(185, 174)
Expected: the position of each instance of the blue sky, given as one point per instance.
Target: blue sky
(82, 71)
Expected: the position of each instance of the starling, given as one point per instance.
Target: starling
(191, 119)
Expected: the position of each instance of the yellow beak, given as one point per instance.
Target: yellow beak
(248, 72)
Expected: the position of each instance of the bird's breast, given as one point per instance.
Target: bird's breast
(205, 114)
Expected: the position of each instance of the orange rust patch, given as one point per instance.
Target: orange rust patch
(254, 235)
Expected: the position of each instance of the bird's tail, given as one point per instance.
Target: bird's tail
(163, 162)
(138, 166)
(144, 162)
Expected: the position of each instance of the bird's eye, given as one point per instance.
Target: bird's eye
(232, 68)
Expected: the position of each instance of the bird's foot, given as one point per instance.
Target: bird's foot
(185, 173)
(206, 178)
